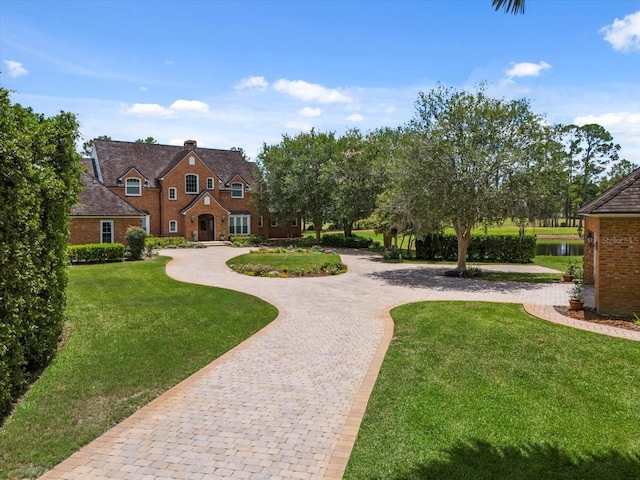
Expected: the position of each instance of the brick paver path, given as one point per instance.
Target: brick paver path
(287, 403)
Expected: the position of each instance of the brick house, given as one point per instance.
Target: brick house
(612, 247)
(198, 193)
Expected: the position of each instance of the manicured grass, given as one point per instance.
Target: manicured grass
(484, 391)
(132, 333)
(292, 262)
(520, 277)
(557, 263)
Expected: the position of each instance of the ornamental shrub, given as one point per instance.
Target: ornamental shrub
(39, 183)
(136, 237)
(482, 248)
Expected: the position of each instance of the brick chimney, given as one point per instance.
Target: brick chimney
(190, 144)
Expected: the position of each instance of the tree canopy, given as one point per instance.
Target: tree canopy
(467, 158)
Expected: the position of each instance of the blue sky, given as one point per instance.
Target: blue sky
(240, 73)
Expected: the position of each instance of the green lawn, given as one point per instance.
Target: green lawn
(297, 263)
(132, 333)
(484, 391)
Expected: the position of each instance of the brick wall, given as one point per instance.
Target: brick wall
(147, 202)
(617, 265)
(87, 230)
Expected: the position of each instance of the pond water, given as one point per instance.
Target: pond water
(559, 248)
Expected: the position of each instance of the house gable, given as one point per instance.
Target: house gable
(96, 200)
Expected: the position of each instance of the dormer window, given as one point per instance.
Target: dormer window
(191, 183)
(132, 187)
(210, 183)
(237, 190)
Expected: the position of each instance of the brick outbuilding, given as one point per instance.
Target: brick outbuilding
(182, 191)
(612, 247)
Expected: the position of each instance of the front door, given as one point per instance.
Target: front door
(206, 228)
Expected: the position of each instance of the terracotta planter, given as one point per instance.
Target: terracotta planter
(576, 304)
(567, 278)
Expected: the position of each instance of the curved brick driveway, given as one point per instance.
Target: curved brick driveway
(286, 403)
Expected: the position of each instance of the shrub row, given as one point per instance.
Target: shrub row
(96, 253)
(482, 248)
(340, 241)
(156, 243)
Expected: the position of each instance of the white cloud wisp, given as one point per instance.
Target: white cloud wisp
(310, 92)
(624, 35)
(15, 69)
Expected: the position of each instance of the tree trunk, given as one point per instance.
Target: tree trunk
(463, 233)
(347, 228)
(318, 231)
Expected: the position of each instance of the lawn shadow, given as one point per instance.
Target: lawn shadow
(434, 278)
(479, 460)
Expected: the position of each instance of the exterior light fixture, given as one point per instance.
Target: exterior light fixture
(192, 218)
(590, 239)
(223, 217)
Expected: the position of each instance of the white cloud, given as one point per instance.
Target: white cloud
(526, 69)
(15, 69)
(147, 110)
(299, 126)
(628, 122)
(624, 35)
(311, 92)
(310, 112)
(143, 89)
(189, 106)
(356, 117)
(156, 110)
(255, 83)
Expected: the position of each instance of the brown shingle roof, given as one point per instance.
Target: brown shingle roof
(153, 160)
(98, 200)
(623, 197)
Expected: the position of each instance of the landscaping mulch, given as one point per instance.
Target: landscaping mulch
(590, 315)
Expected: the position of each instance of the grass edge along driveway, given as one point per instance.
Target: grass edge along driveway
(485, 391)
(132, 333)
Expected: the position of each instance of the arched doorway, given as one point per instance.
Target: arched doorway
(206, 228)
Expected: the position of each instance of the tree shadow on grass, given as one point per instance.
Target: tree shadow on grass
(434, 278)
(479, 460)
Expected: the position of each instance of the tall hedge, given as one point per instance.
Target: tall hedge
(39, 183)
(482, 248)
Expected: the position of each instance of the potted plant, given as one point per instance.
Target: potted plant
(576, 296)
(570, 271)
(222, 236)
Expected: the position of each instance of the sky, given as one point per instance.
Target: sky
(244, 73)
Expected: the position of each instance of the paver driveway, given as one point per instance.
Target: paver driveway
(286, 403)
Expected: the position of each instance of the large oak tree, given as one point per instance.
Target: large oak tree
(468, 159)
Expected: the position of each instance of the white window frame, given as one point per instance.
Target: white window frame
(186, 190)
(144, 223)
(242, 222)
(174, 191)
(173, 226)
(192, 160)
(294, 222)
(260, 221)
(210, 183)
(126, 187)
(102, 232)
(274, 221)
(236, 191)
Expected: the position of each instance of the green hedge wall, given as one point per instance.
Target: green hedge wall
(96, 253)
(39, 183)
(482, 248)
(339, 240)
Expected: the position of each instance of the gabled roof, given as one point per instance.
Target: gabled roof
(193, 203)
(623, 197)
(97, 200)
(153, 160)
